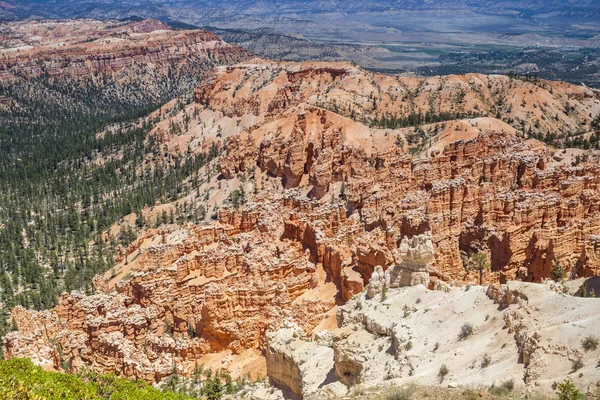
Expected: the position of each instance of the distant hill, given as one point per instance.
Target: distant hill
(222, 11)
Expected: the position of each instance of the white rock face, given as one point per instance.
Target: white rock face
(417, 255)
(524, 332)
(379, 280)
(296, 365)
(521, 331)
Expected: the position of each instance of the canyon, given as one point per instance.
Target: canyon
(85, 48)
(135, 63)
(334, 186)
(73, 91)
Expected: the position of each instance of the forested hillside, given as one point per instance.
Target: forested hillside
(73, 126)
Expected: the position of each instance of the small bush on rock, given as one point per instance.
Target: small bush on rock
(465, 331)
(486, 361)
(577, 365)
(568, 391)
(590, 343)
(403, 393)
(443, 372)
(504, 389)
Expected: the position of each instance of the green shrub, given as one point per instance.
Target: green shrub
(558, 273)
(384, 293)
(466, 330)
(568, 391)
(590, 343)
(443, 372)
(20, 379)
(504, 389)
(213, 388)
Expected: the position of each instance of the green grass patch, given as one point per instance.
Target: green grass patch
(21, 379)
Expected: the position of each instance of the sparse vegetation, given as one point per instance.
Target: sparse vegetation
(470, 394)
(558, 273)
(478, 262)
(383, 293)
(399, 141)
(358, 390)
(504, 389)
(567, 390)
(585, 292)
(205, 383)
(443, 372)
(487, 360)
(466, 330)
(404, 393)
(590, 343)
(73, 163)
(576, 365)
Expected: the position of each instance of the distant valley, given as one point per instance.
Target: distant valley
(555, 40)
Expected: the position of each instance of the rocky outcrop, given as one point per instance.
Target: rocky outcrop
(378, 282)
(295, 364)
(475, 186)
(417, 255)
(410, 334)
(193, 291)
(504, 296)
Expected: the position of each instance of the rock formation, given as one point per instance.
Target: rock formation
(86, 49)
(407, 337)
(332, 204)
(417, 254)
(477, 186)
(296, 364)
(214, 289)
